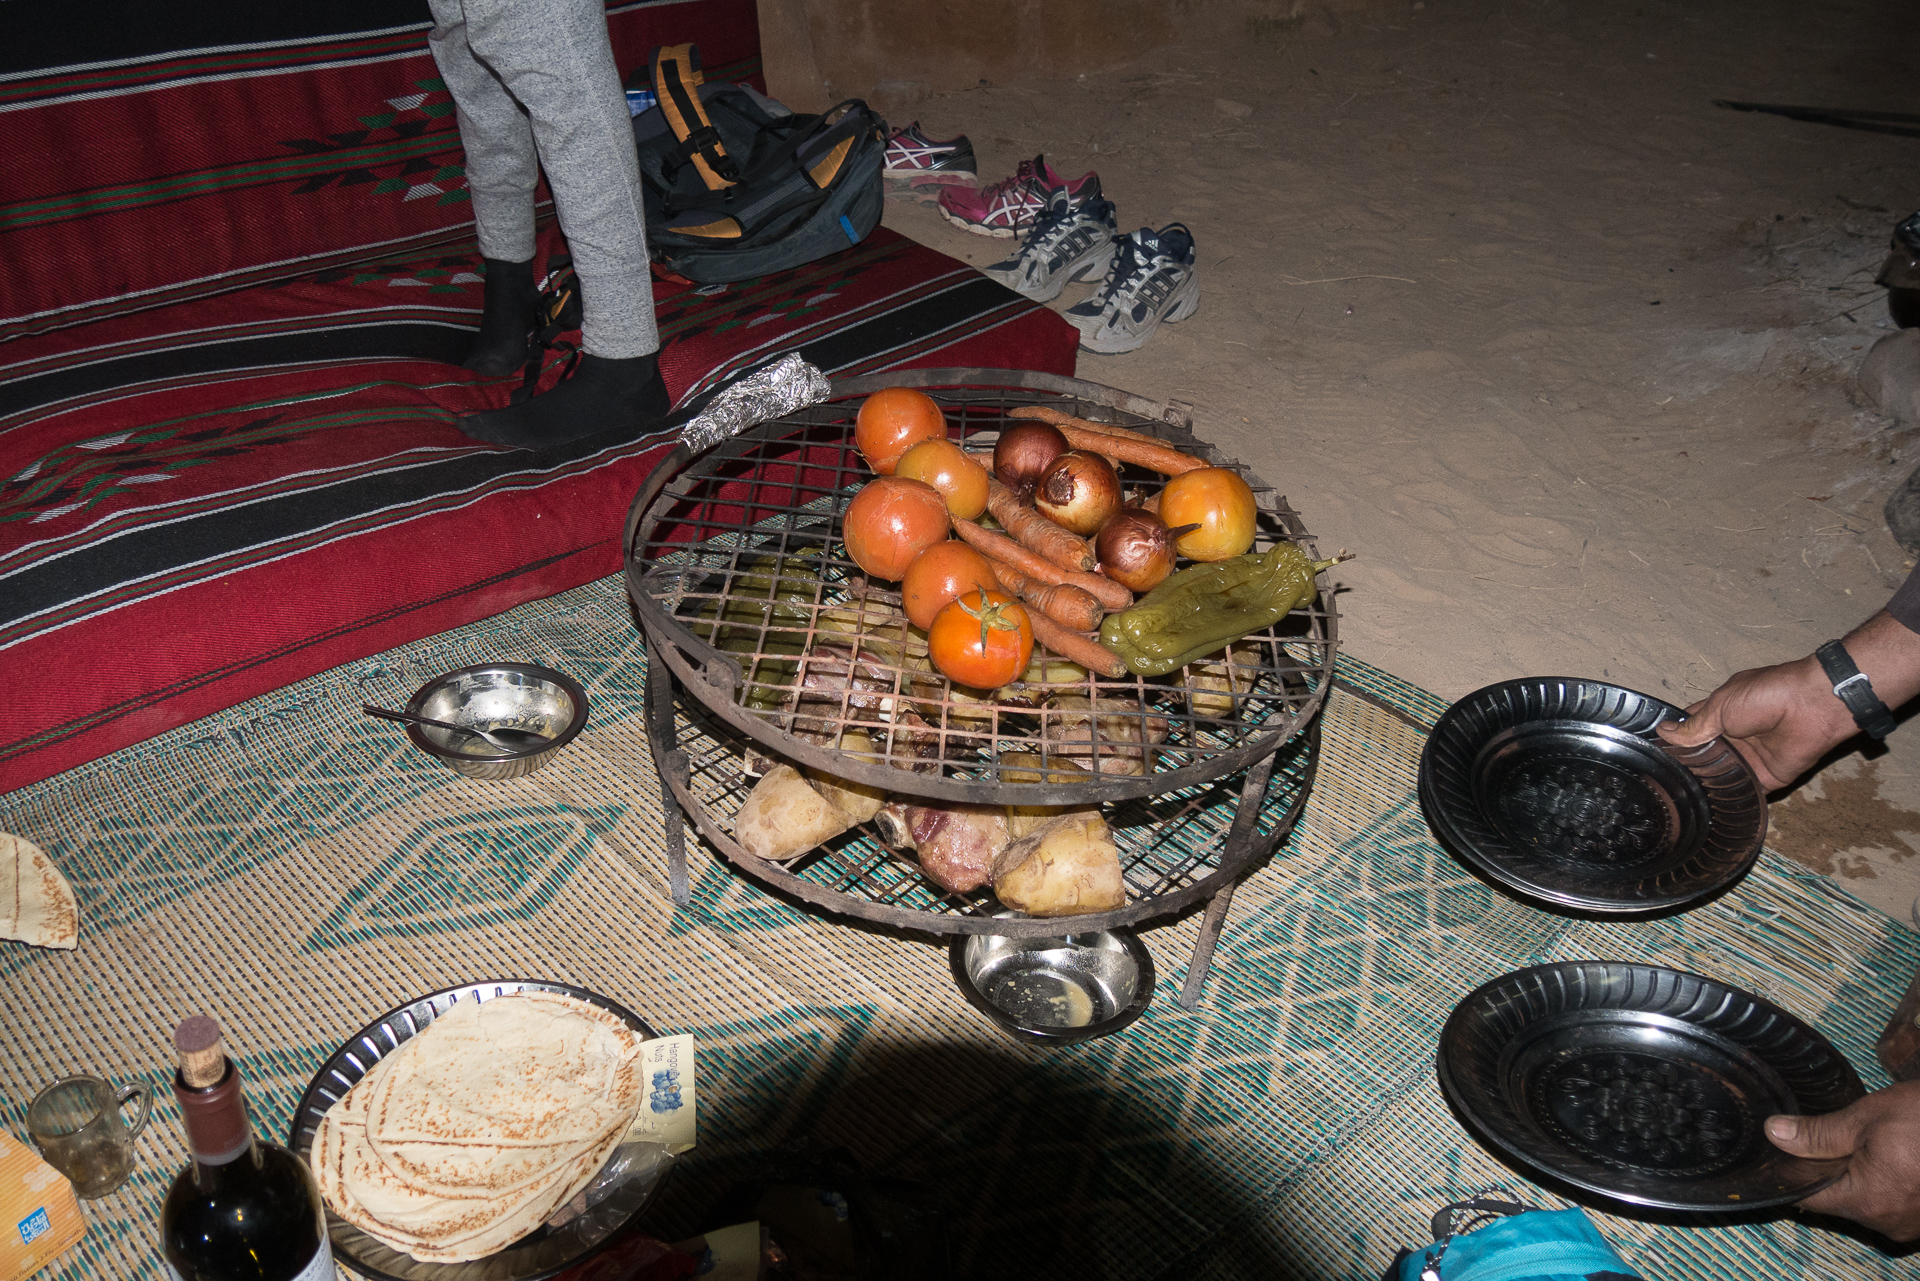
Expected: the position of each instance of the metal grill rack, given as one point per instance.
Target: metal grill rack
(766, 641)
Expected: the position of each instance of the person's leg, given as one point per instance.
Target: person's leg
(555, 58)
(501, 173)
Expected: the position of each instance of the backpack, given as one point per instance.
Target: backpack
(737, 186)
(1487, 1240)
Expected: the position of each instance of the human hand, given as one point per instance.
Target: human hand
(1782, 719)
(1881, 1135)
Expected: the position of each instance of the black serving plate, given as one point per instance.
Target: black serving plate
(541, 1254)
(1647, 1085)
(1558, 788)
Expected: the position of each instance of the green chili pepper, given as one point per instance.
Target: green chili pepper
(1196, 611)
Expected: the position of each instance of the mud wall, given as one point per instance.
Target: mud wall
(896, 52)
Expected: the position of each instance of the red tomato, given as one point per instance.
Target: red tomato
(982, 640)
(892, 421)
(951, 470)
(940, 573)
(890, 522)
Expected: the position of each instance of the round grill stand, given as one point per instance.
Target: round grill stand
(739, 584)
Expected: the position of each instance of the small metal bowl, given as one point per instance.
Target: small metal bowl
(497, 696)
(1055, 991)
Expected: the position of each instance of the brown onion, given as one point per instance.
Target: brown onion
(1023, 452)
(1135, 549)
(1078, 491)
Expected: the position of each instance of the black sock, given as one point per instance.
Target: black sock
(602, 396)
(506, 320)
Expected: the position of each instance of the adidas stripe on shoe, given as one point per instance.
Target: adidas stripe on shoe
(1155, 277)
(1068, 242)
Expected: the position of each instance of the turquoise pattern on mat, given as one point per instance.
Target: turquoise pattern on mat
(466, 872)
(297, 867)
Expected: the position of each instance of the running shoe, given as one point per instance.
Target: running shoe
(915, 160)
(1069, 242)
(1154, 277)
(1011, 205)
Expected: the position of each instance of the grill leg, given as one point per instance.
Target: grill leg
(676, 834)
(668, 756)
(1202, 959)
(1244, 829)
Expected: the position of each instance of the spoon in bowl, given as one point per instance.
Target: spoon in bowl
(507, 740)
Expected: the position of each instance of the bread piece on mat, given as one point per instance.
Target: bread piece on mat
(38, 906)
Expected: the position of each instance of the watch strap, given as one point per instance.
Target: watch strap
(1851, 686)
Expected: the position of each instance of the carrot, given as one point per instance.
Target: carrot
(1001, 548)
(1047, 414)
(1132, 447)
(1149, 454)
(1064, 603)
(1075, 648)
(1063, 547)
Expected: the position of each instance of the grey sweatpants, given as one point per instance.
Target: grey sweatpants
(534, 82)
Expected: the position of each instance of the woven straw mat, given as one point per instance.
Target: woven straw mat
(295, 868)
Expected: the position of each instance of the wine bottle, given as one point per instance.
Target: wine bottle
(243, 1209)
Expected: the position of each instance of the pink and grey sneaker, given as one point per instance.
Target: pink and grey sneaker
(915, 160)
(1010, 206)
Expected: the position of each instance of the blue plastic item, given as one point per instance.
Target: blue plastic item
(1532, 1245)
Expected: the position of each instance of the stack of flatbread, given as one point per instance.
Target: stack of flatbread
(36, 904)
(471, 1134)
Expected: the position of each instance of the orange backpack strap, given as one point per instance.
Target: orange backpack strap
(675, 71)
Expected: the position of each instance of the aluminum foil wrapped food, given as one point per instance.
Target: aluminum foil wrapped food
(781, 386)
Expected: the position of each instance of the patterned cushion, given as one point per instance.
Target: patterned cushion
(203, 502)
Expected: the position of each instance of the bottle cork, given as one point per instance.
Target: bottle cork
(212, 1109)
(203, 1056)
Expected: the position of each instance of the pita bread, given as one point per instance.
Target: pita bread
(366, 1193)
(472, 1133)
(532, 1213)
(36, 904)
(510, 1071)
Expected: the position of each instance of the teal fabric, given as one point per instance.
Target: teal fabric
(1540, 1245)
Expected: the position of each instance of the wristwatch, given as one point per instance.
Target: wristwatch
(1851, 686)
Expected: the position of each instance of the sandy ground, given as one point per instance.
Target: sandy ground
(1500, 300)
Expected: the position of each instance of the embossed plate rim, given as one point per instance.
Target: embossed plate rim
(1471, 1060)
(1735, 804)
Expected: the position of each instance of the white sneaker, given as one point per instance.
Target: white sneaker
(1155, 276)
(1067, 243)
